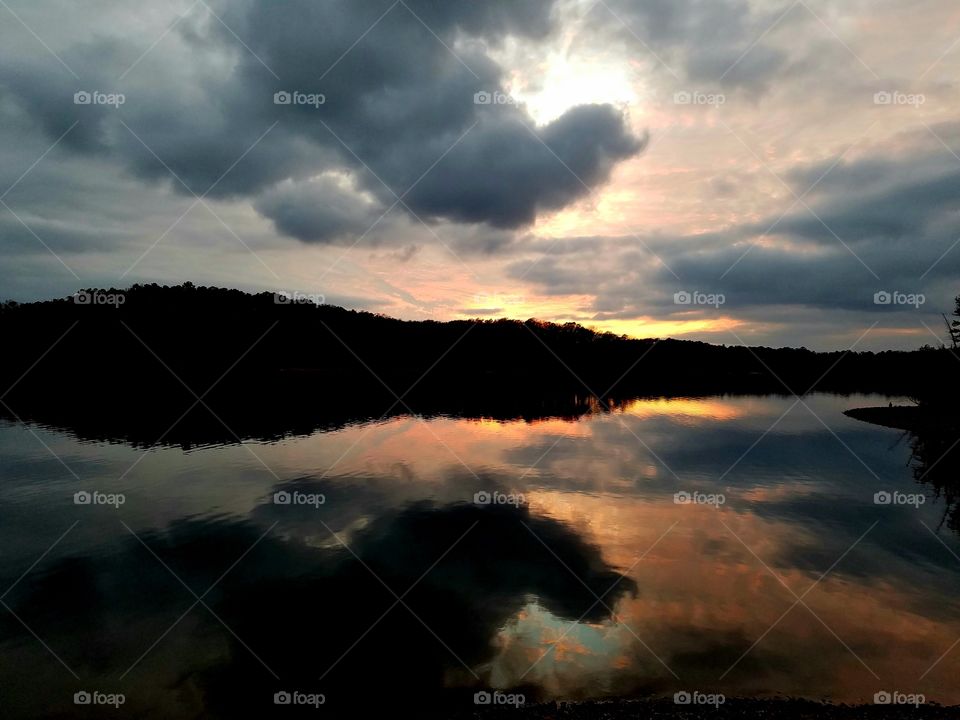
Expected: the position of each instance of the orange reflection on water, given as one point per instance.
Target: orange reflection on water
(718, 605)
(697, 408)
(717, 594)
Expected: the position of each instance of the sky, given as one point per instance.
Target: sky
(734, 171)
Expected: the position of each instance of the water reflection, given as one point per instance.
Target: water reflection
(272, 414)
(935, 459)
(306, 596)
(430, 584)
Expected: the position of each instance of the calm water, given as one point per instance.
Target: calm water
(200, 594)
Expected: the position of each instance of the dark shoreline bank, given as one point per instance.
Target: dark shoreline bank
(266, 366)
(768, 709)
(912, 418)
(898, 417)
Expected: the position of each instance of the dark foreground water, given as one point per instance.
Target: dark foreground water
(726, 545)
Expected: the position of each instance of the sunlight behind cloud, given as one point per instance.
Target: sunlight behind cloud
(569, 81)
(651, 328)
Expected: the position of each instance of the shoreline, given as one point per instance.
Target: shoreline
(911, 418)
(898, 417)
(768, 709)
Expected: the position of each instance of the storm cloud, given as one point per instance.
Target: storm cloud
(382, 93)
(592, 159)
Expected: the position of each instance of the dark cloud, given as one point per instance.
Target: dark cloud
(19, 239)
(882, 199)
(406, 253)
(394, 110)
(399, 121)
(701, 41)
(883, 221)
(481, 311)
(322, 210)
(305, 608)
(508, 172)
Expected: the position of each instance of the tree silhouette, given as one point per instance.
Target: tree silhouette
(272, 364)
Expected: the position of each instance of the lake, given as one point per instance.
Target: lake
(728, 544)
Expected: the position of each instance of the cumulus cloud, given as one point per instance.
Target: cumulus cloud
(323, 209)
(702, 41)
(885, 220)
(400, 156)
(509, 172)
(392, 109)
